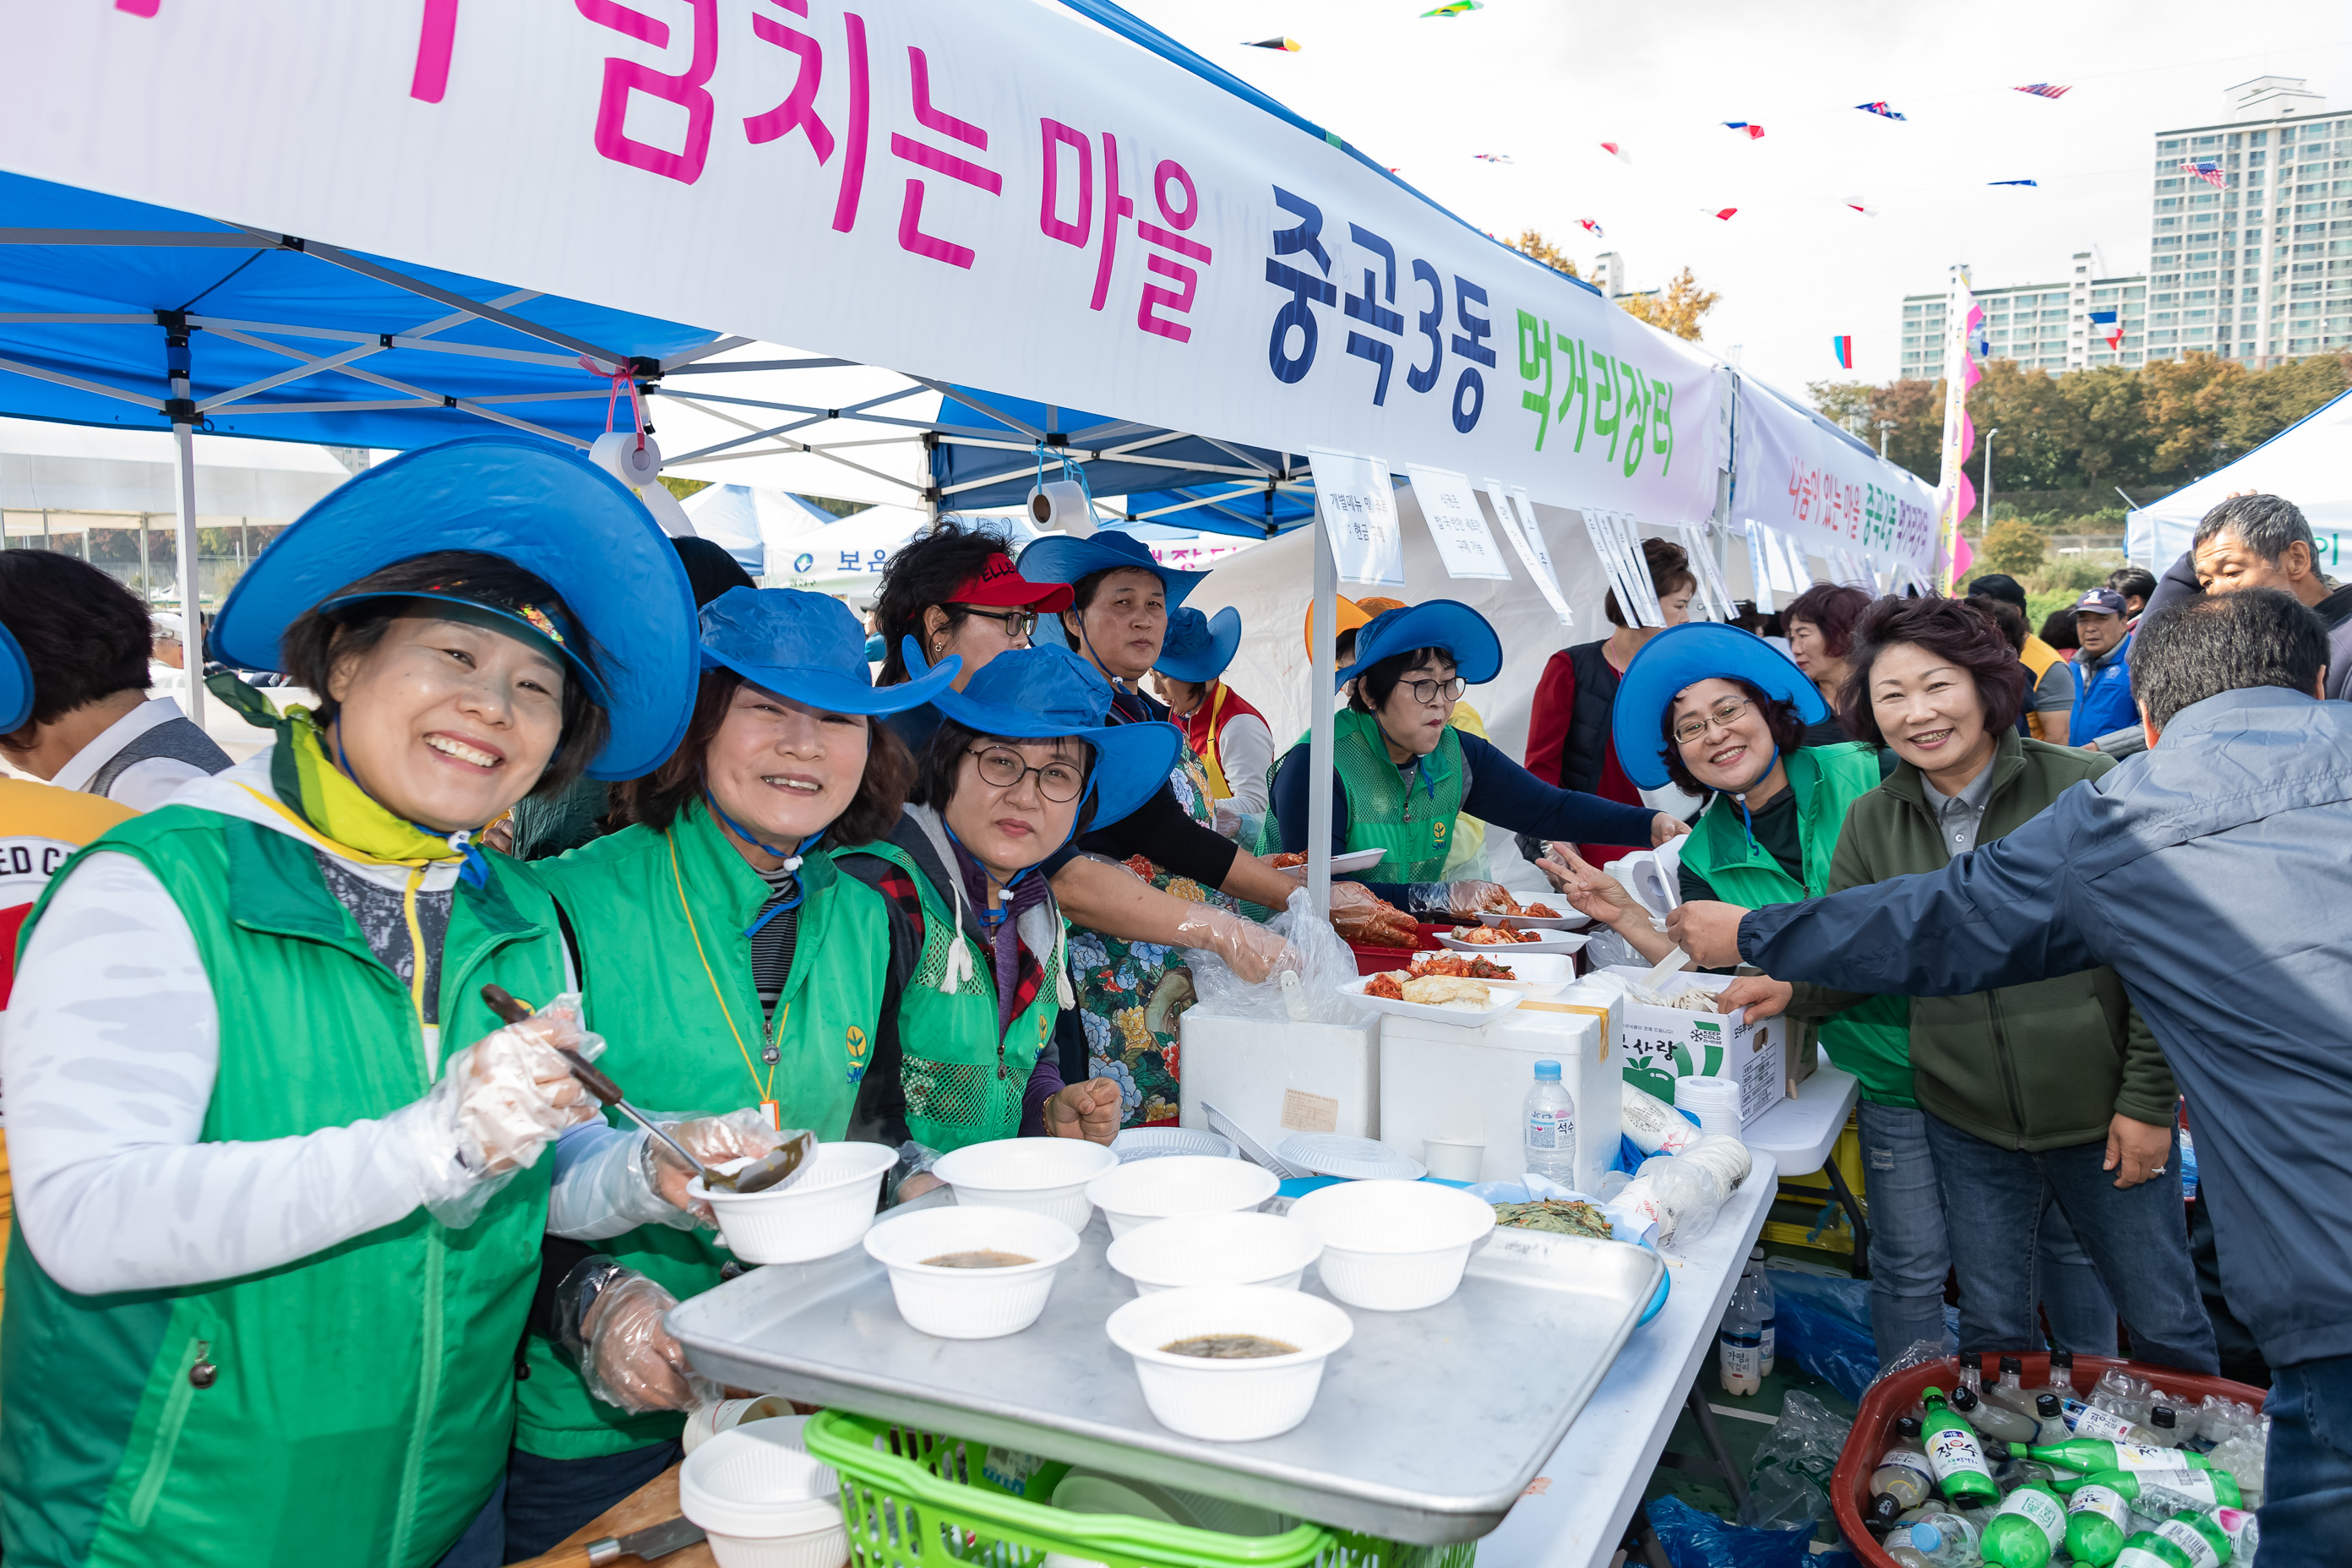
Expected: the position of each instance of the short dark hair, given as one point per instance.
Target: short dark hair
(1669, 567)
(2058, 629)
(85, 635)
(1781, 717)
(1374, 685)
(2132, 582)
(1834, 607)
(941, 765)
(657, 798)
(1952, 629)
(2268, 525)
(1998, 585)
(2007, 620)
(710, 570)
(2203, 647)
(923, 573)
(314, 643)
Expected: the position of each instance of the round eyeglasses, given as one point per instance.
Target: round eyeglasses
(1428, 691)
(1017, 623)
(1725, 713)
(1002, 768)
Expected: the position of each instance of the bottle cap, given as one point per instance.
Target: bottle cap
(1906, 1426)
(1546, 1072)
(1755, 1255)
(2063, 1358)
(1964, 1398)
(2161, 1416)
(1926, 1539)
(2010, 1363)
(2047, 1407)
(1973, 1358)
(1884, 1510)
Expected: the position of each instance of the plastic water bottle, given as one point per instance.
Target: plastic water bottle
(1741, 1340)
(1755, 1271)
(1550, 1127)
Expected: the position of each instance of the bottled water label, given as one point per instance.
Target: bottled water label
(2043, 1509)
(1550, 1128)
(1954, 1451)
(1907, 1459)
(2140, 1557)
(2105, 1501)
(2192, 1542)
(1768, 1346)
(2090, 1421)
(1741, 1356)
(2138, 1457)
(2192, 1488)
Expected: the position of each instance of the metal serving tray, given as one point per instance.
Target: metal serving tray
(1427, 1427)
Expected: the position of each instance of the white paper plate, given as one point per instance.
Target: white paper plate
(1359, 1159)
(1558, 941)
(1153, 1143)
(1353, 861)
(1537, 922)
(1500, 1002)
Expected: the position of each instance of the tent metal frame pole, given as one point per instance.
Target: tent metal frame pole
(1319, 731)
(184, 415)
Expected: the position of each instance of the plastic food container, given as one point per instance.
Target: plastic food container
(705, 1422)
(1229, 1401)
(1132, 1195)
(1158, 1142)
(823, 1213)
(1042, 1175)
(970, 1303)
(1394, 1246)
(762, 1501)
(1200, 1250)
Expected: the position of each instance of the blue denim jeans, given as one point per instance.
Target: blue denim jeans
(2137, 1240)
(2082, 1314)
(547, 1499)
(2307, 1472)
(1909, 1253)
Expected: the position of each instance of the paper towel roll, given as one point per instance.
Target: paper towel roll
(1714, 1100)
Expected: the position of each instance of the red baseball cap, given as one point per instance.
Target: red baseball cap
(999, 582)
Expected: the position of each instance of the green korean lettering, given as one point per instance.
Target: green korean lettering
(1636, 415)
(1604, 392)
(1535, 353)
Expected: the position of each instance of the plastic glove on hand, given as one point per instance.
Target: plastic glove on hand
(1249, 950)
(626, 1357)
(1362, 917)
(712, 1141)
(509, 1094)
(1089, 1110)
(1464, 897)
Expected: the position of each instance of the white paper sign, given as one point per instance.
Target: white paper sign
(1358, 506)
(1800, 570)
(1531, 554)
(1637, 595)
(1524, 511)
(1715, 594)
(1604, 545)
(1450, 507)
(1628, 537)
(1759, 573)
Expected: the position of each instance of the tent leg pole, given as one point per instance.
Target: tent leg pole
(1319, 731)
(191, 638)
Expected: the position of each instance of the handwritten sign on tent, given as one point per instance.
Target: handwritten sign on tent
(1358, 506)
(1531, 552)
(1450, 507)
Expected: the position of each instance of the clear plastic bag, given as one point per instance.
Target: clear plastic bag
(498, 1103)
(1789, 1482)
(1308, 992)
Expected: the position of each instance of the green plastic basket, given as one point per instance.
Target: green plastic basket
(921, 1499)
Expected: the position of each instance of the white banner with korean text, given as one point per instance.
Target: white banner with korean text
(997, 194)
(1824, 493)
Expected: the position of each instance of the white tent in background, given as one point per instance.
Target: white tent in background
(749, 521)
(2305, 463)
(844, 556)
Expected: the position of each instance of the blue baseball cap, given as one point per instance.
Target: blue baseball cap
(2100, 602)
(1198, 647)
(1681, 657)
(1044, 693)
(541, 506)
(15, 684)
(1064, 558)
(809, 647)
(1461, 631)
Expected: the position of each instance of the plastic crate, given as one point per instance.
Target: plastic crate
(920, 1500)
(1890, 1398)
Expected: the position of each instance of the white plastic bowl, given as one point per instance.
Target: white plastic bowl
(1158, 1143)
(1229, 1401)
(1394, 1246)
(762, 1501)
(970, 1303)
(823, 1213)
(1199, 1250)
(1136, 1193)
(1042, 1175)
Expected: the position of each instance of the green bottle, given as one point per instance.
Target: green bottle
(2198, 1538)
(2148, 1550)
(2095, 1454)
(2028, 1527)
(2098, 1519)
(2164, 1492)
(1953, 1452)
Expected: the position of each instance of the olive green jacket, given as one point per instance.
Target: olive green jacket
(2027, 1066)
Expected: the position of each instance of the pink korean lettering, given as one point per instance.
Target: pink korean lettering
(435, 37)
(798, 110)
(922, 154)
(686, 88)
(1154, 296)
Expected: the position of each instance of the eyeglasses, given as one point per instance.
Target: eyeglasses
(1429, 691)
(1725, 713)
(1002, 768)
(1016, 623)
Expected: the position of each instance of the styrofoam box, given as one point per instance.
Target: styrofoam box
(1274, 1080)
(1443, 1080)
(1663, 1044)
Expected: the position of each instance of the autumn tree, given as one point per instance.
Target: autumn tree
(1532, 245)
(1678, 308)
(2013, 546)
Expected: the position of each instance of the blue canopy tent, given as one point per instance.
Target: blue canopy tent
(117, 313)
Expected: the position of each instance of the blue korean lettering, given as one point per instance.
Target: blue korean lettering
(1369, 310)
(1303, 288)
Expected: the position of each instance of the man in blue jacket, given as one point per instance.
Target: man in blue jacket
(2103, 682)
(2213, 876)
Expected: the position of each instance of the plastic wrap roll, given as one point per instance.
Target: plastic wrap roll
(1714, 1100)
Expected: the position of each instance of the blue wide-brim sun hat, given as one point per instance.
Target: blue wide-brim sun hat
(543, 507)
(1042, 693)
(1676, 659)
(1064, 558)
(16, 685)
(808, 648)
(1464, 634)
(1198, 647)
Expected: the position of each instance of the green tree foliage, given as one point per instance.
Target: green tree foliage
(2013, 546)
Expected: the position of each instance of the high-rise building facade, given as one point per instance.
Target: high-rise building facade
(2043, 326)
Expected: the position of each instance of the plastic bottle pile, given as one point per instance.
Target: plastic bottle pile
(2021, 1476)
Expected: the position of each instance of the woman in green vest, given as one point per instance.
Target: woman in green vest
(1022, 762)
(278, 1190)
(1721, 711)
(1403, 774)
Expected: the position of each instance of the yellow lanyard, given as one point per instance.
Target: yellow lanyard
(765, 1091)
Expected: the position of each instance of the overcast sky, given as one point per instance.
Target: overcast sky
(1545, 82)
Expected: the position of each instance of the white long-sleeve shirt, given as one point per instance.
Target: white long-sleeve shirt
(111, 1051)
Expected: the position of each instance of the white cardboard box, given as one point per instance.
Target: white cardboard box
(1469, 1084)
(1663, 1044)
(1279, 1079)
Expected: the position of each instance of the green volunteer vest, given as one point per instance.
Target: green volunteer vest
(1872, 1041)
(361, 1399)
(672, 1028)
(1413, 825)
(964, 1081)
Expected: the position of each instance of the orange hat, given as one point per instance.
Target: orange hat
(1376, 607)
(1350, 616)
